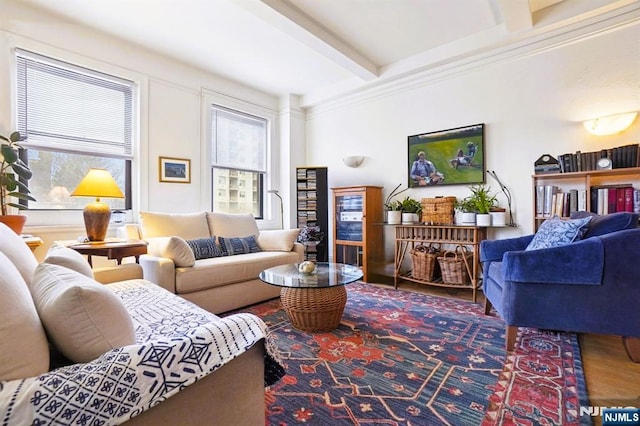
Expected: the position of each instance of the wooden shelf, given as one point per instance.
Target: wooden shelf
(313, 179)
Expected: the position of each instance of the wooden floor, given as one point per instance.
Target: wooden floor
(613, 380)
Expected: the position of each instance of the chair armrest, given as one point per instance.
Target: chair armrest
(112, 274)
(579, 263)
(493, 250)
(299, 249)
(160, 271)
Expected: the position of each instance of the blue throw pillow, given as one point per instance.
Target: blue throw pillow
(605, 224)
(205, 248)
(555, 232)
(233, 246)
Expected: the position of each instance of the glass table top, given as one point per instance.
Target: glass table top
(325, 275)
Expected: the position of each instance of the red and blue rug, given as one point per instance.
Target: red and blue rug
(404, 358)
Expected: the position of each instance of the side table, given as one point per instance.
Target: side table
(112, 250)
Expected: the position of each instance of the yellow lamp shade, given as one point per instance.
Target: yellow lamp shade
(98, 183)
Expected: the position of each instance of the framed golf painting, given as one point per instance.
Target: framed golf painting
(447, 157)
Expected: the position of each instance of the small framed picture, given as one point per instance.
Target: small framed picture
(177, 170)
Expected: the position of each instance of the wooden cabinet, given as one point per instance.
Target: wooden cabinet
(357, 230)
(574, 183)
(453, 236)
(313, 207)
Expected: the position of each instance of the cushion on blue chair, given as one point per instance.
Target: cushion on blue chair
(556, 232)
(605, 224)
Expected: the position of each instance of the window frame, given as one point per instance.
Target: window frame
(139, 143)
(269, 207)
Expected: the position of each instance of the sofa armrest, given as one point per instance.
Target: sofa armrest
(493, 250)
(579, 263)
(160, 271)
(130, 231)
(299, 249)
(112, 274)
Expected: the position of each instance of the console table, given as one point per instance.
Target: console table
(409, 236)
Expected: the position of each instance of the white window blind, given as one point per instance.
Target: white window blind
(240, 140)
(67, 108)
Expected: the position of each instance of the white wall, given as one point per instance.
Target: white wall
(531, 105)
(170, 107)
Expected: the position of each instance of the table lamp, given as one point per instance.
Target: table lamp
(97, 183)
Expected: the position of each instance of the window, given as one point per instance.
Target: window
(239, 158)
(74, 119)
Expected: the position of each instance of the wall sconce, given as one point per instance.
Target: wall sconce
(353, 160)
(610, 125)
(275, 192)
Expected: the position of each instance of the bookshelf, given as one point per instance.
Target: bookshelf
(312, 207)
(586, 183)
(357, 230)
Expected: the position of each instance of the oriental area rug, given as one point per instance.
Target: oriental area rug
(405, 358)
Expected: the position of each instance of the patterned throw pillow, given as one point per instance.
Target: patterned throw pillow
(205, 248)
(232, 246)
(555, 232)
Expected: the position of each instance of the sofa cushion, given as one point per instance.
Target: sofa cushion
(174, 248)
(556, 232)
(25, 351)
(234, 246)
(205, 248)
(18, 252)
(188, 226)
(232, 225)
(605, 224)
(229, 270)
(278, 239)
(69, 258)
(83, 318)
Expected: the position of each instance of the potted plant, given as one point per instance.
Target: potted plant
(394, 212)
(12, 169)
(468, 210)
(310, 235)
(482, 202)
(411, 209)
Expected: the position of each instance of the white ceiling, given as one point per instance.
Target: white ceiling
(307, 47)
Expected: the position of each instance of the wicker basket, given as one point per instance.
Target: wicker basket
(455, 266)
(425, 262)
(438, 211)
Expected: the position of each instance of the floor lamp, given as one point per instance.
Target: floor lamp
(275, 192)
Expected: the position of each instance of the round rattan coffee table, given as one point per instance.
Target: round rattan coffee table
(313, 302)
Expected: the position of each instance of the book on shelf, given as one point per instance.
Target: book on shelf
(549, 191)
(607, 199)
(625, 156)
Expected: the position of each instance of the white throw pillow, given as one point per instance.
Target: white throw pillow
(18, 252)
(25, 351)
(69, 258)
(231, 225)
(83, 318)
(174, 248)
(188, 226)
(278, 239)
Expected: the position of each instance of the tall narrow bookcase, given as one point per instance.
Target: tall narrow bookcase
(313, 207)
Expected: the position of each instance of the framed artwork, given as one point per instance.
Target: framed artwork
(177, 170)
(447, 157)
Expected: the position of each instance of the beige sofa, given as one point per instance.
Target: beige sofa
(217, 284)
(119, 344)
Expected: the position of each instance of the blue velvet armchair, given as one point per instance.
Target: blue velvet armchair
(591, 285)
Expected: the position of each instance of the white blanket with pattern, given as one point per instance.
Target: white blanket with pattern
(178, 343)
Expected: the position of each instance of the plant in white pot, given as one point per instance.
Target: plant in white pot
(394, 212)
(12, 169)
(482, 201)
(411, 209)
(468, 211)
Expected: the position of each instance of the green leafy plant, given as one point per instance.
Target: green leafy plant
(393, 205)
(411, 205)
(466, 205)
(12, 169)
(480, 199)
